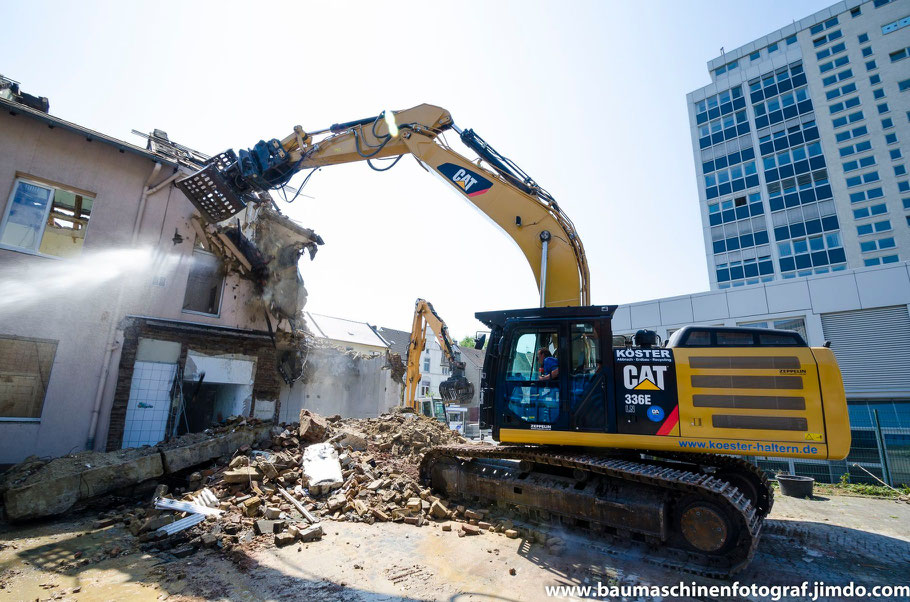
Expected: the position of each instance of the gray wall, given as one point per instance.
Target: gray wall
(341, 383)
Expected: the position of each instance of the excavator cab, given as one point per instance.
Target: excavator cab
(545, 367)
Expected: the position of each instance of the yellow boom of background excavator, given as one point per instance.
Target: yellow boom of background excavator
(639, 442)
(455, 388)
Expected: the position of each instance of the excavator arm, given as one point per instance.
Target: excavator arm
(492, 183)
(455, 388)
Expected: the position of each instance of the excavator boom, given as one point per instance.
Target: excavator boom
(492, 183)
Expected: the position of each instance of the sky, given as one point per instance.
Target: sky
(589, 98)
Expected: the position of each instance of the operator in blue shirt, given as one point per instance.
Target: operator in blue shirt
(549, 365)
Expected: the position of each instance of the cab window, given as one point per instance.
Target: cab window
(585, 360)
(524, 356)
(532, 388)
(586, 397)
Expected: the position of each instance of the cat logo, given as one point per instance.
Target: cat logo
(472, 184)
(643, 378)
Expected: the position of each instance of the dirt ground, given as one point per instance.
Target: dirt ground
(832, 539)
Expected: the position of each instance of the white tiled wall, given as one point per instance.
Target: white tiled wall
(147, 410)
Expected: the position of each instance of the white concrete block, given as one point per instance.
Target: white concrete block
(710, 306)
(748, 301)
(676, 311)
(878, 288)
(834, 293)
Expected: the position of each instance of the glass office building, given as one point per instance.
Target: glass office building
(801, 145)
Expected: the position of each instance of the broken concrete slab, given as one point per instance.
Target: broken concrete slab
(321, 467)
(179, 457)
(284, 539)
(470, 529)
(355, 441)
(244, 474)
(62, 482)
(263, 526)
(438, 510)
(251, 506)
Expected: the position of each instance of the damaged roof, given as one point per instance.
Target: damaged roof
(398, 340)
(15, 109)
(346, 331)
(158, 148)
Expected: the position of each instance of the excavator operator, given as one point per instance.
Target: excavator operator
(549, 365)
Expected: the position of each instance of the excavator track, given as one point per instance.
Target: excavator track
(697, 522)
(763, 498)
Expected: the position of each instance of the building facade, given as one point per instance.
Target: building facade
(112, 304)
(801, 145)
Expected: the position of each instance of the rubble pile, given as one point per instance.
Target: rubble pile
(320, 469)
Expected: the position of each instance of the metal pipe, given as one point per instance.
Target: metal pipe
(112, 330)
(882, 450)
(545, 242)
(142, 199)
(149, 192)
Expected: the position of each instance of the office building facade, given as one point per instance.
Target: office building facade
(801, 147)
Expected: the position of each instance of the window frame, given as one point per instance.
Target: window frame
(220, 293)
(56, 344)
(50, 205)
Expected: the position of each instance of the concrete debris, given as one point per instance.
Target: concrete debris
(322, 468)
(280, 488)
(311, 533)
(396, 366)
(312, 426)
(284, 539)
(39, 488)
(243, 475)
(469, 529)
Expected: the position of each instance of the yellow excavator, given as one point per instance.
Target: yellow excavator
(455, 388)
(641, 442)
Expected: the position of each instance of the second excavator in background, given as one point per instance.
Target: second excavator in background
(456, 388)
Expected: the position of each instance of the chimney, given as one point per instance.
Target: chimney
(9, 90)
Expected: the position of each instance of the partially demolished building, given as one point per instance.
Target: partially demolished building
(126, 317)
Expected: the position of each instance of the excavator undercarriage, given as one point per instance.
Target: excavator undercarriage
(686, 508)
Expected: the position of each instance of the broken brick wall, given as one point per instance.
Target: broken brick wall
(200, 338)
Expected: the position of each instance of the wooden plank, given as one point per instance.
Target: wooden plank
(200, 233)
(306, 513)
(229, 245)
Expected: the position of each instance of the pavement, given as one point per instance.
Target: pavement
(832, 539)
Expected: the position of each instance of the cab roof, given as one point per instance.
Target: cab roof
(499, 318)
